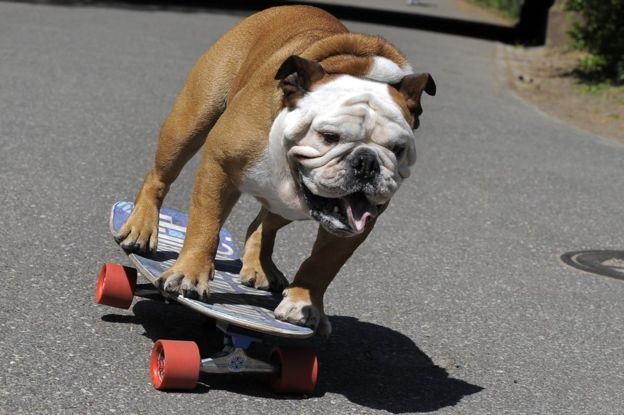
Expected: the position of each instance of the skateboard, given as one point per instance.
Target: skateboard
(243, 314)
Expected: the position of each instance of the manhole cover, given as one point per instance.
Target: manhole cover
(607, 263)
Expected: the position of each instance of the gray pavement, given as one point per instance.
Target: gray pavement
(458, 303)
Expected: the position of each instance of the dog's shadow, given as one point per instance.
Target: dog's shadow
(370, 365)
(382, 369)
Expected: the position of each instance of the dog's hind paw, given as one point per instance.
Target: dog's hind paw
(253, 275)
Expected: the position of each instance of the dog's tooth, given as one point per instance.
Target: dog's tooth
(336, 209)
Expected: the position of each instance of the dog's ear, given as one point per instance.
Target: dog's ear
(412, 88)
(296, 76)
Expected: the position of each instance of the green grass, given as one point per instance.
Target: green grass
(596, 89)
(509, 9)
(606, 92)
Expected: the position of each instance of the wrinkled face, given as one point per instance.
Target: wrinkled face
(349, 147)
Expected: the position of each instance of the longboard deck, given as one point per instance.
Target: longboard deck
(229, 301)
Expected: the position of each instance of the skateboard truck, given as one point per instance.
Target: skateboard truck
(234, 358)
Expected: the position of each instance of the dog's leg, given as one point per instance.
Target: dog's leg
(303, 299)
(213, 197)
(196, 109)
(258, 270)
(140, 232)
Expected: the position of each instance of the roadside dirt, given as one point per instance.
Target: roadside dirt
(547, 79)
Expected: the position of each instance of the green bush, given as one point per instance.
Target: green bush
(601, 33)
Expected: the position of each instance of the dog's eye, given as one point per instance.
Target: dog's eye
(330, 138)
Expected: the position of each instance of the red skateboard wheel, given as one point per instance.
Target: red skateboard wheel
(175, 365)
(115, 286)
(298, 370)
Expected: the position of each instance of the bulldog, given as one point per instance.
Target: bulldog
(314, 121)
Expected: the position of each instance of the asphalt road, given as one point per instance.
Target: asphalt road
(458, 303)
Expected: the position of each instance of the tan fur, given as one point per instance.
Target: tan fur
(352, 53)
(258, 269)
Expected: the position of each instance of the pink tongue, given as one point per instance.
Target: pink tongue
(358, 210)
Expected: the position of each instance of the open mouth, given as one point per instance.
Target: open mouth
(346, 215)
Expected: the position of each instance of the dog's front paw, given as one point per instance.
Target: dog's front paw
(140, 232)
(254, 275)
(188, 278)
(298, 308)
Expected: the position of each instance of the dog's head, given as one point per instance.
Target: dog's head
(348, 141)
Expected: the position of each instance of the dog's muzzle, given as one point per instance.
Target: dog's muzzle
(348, 214)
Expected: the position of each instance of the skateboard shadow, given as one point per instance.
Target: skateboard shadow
(370, 365)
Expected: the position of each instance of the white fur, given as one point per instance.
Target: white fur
(270, 180)
(385, 70)
(303, 313)
(362, 112)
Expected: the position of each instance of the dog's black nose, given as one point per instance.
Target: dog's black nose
(365, 165)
